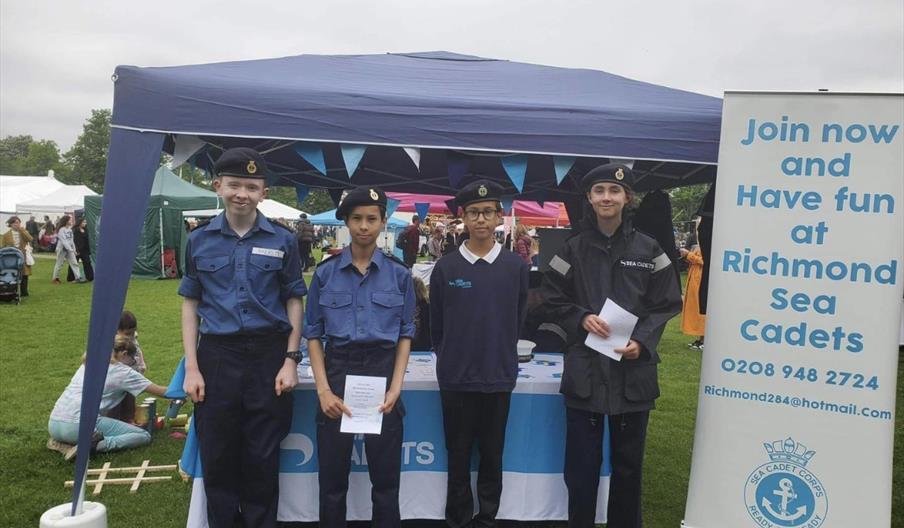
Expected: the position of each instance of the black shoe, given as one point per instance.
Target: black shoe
(96, 438)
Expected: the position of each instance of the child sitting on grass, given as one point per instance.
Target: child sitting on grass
(128, 327)
(110, 434)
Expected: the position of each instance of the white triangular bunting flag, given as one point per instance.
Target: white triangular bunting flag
(186, 147)
(415, 154)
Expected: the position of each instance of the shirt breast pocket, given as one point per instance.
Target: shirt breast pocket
(214, 270)
(265, 264)
(337, 313)
(388, 309)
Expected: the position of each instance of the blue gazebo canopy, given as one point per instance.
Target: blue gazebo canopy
(328, 218)
(411, 122)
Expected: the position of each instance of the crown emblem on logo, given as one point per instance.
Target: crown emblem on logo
(620, 174)
(374, 195)
(789, 451)
(482, 190)
(251, 167)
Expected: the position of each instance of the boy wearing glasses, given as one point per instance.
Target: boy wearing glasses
(478, 301)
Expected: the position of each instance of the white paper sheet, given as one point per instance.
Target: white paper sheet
(621, 325)
(363, 397)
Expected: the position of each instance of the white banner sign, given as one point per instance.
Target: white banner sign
(797, 393)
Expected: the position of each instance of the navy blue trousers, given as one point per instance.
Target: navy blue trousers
(383, 451)
(584, 457)
(470, 417)
(240, 425)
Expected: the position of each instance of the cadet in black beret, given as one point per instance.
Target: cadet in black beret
(479, 191)
(361, 196)
(241, 326)
(478, 301)
(242, 162)
(611, 173)
(369, 334)
(608, 259)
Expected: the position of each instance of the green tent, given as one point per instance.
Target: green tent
(163, 220)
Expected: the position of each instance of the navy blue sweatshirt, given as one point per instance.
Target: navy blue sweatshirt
(476, 313)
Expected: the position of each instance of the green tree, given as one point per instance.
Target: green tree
(317, 201)
(23, 156)
(13, 151)
(86, 161)
(686, 201)
(42, 156)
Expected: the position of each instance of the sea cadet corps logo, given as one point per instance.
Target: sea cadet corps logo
(783, 492)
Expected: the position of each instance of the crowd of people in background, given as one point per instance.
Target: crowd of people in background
(71, 244)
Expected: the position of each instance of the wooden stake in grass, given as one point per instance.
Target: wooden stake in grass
(141, 472)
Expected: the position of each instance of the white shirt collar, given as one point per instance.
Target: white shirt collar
(472, 258)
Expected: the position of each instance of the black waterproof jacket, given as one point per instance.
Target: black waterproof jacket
(632, 270)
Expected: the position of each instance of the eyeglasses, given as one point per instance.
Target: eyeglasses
(474, 214)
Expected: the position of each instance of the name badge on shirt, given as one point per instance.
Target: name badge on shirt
(268, 252)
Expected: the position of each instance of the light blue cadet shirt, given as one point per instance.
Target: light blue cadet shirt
(348, 308)
(242, 283)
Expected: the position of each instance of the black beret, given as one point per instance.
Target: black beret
(479, 191)
(360, 196)
(242, 162)
(610, 172)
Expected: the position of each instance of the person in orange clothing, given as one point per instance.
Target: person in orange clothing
(692, 321)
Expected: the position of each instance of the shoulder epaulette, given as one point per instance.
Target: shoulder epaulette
(327, 259)
(287, 228)
(395, 259)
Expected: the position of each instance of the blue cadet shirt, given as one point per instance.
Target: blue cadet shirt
(242, 283)
(348, 308)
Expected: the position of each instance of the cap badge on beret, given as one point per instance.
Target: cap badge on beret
(251, 168)
(620, 174)
(482, 191)
(373, 195)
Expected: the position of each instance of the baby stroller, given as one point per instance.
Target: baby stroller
(11, 263)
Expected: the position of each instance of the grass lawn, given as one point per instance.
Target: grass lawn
(42, 343)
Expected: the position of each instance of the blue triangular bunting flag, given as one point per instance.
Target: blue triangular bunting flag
(453, 206)
(313, 154)
(422, 209)
(351, 155)
(175, 390)
(516, 168)
(336, 195)
(391, 205)
(507, 202)
(301, 192)
(563, 165)
(457, 168)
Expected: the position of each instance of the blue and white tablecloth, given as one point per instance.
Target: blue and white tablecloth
(533, 486)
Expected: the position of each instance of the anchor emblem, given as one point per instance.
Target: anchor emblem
(787, 494)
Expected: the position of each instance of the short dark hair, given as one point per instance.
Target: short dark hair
(12, 220)
(127, 321)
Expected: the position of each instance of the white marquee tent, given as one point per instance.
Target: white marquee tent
(270, 208)
(66, 199)
(18, 189)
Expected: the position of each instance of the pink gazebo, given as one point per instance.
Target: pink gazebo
(528, 213)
